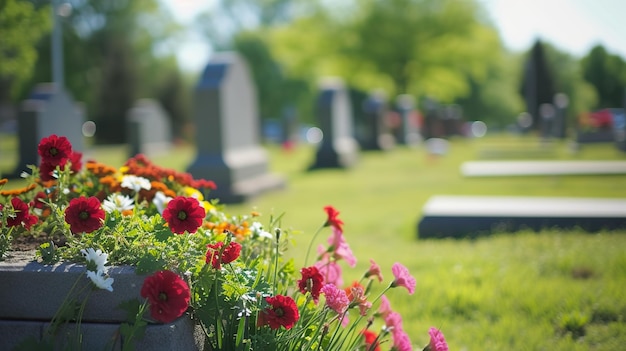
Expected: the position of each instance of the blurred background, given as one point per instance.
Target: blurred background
(473, 54)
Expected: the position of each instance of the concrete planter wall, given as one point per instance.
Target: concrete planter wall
(31, 293)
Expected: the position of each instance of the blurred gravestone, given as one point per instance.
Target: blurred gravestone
(561, 101)
(376, 135)
(48, 110)
(548, 116)
(408, 133)
(338, 148)
(225, 113)
(148, 128)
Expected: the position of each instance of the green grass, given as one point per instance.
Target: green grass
(554, 290)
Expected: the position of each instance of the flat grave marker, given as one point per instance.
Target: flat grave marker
(469, 216)
(541, 168)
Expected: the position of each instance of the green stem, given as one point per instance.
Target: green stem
(308, 251)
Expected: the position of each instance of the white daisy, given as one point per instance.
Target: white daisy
(257, 229)
(135, 183)
(160, 201)
(100, 280)
(117, 202)
(97, 257)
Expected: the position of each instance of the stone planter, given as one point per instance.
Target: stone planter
(32, 292)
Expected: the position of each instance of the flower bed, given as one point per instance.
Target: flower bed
(140, 245)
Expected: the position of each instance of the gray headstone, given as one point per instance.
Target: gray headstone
(376, 135)
(409, 133)
(338, 148)
(225, 113)
(48, 110)
(149, 131)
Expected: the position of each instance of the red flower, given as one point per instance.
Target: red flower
(228, 255)
(46, 169)
(312, 281)
(84, 214)
(332, 218)
(167, 294)
(76, 160)
(54, 149)
(371, 340)
(184, 214)
(282, 311)
(22, 216)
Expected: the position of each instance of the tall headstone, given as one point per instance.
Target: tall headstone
(148, 128)
(338, 148)
(225, 113)
(409, 133)
(48, 110)
(376, 134)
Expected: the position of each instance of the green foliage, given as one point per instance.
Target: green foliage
(22, 26)
(607, 73)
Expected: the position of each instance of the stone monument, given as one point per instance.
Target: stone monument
(225, 113)
(148, 128)
(48, 110)
(338, 148)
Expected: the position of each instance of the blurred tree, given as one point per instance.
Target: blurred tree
(115, 52)
(276, 92)
(537, 85)
(21, 27)
(242, 25)
(568, 79)
(607, 73)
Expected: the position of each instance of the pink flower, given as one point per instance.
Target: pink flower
(393, 321)
(330, 270)
(374, 271)
(340, 248)
(385, 307)
(336, 298)
(437, 341)
(401, 341)
(403, 278)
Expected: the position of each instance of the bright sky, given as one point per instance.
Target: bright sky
(573, 26)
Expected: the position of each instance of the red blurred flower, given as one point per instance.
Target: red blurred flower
(312, 281)
(228, 254)
(84, 214)
(332, 218)
(167, 294)
(76, 160)
(282, 311)
(22, 216)
(371, 342)
(54, 149)
(184, 214)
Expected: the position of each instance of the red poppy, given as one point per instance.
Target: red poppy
(332, 218)
(167, 294)
(312, 281)
(229, 254)
(54, 149)
(371, 340)
(282, 311)
(22, 216)
(184, 214)
(84, 214)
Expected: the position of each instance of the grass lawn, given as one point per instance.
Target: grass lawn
(552, 290)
